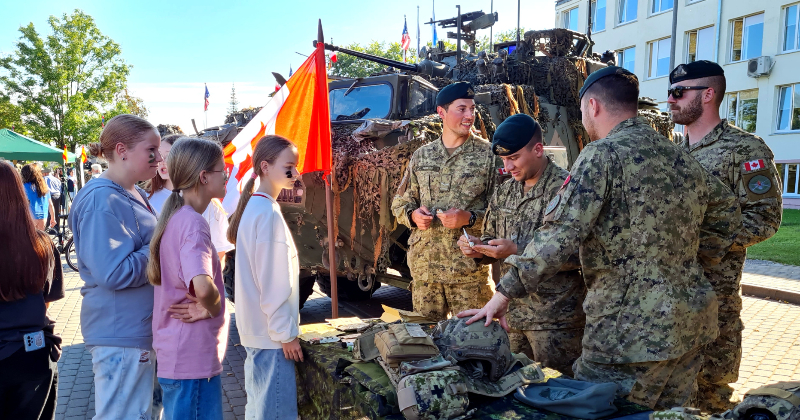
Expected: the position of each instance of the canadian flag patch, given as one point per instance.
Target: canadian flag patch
(754, 165)
(502, 171)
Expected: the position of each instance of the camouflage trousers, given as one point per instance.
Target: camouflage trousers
(721, 360)
(435, 300)
(659, 385)
(555, 349)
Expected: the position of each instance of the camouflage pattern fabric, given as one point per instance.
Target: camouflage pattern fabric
(660, 385)
(782, 399)
(557, 349)
(433, 395)
(515, 215)
(745, 164)
(440, 181)
(644, 216)
(435, 300)
(332, 386)
(475, 342)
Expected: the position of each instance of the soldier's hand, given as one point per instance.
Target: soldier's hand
(463, 244)
(454, 218)
(422, 218)
(497, 248)
(496, 308)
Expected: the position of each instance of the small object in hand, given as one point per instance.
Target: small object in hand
(466, 235)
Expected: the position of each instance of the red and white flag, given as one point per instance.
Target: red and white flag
(754, 165)
(334, 58)
(406, 40)
(299, 111)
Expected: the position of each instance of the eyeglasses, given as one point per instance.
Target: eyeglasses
(224, 174)
(677, 91)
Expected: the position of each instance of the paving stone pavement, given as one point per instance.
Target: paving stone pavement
(771, 342)
(772, 275)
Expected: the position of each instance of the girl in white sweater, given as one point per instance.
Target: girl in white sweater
(267, 281)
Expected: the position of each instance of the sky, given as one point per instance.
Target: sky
(177, 46)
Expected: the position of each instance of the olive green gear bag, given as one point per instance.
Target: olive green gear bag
(403, 343)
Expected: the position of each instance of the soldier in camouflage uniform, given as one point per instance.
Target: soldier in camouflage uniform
(547, 325)
(446, 187)
(646, 218)
(744, 163)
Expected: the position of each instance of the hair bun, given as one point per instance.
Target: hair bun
(96, 149)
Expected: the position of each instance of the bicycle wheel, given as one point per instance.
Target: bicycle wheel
(70, 256)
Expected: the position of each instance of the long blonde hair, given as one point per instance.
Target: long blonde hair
(267, 149)
(188, 157)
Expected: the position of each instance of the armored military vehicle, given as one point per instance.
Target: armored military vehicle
(379, 121)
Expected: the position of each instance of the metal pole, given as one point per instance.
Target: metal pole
(458, 35)
(491, 38)
(674, 34)
(331, 249)
(417, 30)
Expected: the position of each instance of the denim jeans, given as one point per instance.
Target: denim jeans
(125, 384)
(270, 385)
(192, 399)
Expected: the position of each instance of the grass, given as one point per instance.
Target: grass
(784, 246)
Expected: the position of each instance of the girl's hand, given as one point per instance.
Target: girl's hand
(191, 312)
(293, 351)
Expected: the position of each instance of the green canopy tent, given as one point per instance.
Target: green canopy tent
(14, 146)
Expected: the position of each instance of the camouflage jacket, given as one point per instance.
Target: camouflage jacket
(646, 218)
(515, 215)
(464, 180)
(744, 163)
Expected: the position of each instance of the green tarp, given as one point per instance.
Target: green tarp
(15, 146)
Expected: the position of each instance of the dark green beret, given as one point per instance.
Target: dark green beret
(513, 134)
(695, 70)
(599, 74)
(458, 90)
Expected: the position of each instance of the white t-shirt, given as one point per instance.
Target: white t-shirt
(215, 216)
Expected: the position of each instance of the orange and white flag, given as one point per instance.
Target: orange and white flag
(299, 111)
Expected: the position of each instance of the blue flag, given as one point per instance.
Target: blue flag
(205, 108)
(435, 38)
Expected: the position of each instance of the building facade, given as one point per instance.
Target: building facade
(731, 32)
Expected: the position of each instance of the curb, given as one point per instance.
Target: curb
(775, 294)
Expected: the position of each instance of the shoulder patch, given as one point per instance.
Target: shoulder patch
(754, 165)
(502, 171)
(552, 204)
(759, 184)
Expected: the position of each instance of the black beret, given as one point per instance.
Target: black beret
(458, 90)
(695, 70)
(599, 74)
(513, 134)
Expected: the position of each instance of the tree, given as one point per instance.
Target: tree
(504, 36)
(11, 115)
(66, 81)
(349, 66)
(233, 105)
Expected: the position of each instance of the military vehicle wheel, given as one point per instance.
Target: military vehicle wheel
(348, 290)
(306, 289)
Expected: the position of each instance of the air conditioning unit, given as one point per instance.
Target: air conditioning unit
(759, 66)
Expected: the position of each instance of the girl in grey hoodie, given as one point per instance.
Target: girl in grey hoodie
(112, 223)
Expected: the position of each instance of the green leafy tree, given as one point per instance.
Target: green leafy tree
(63, 83)
(349, 66)
(233, 105)
(11, 115)
(503, 36)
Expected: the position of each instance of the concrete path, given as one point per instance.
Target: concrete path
(771, 339)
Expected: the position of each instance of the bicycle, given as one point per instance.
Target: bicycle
(66, 248)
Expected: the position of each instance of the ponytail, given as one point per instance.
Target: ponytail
(267, 149)
(186, 160)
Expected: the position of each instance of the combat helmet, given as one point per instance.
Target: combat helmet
(779, 401)
(480, 350)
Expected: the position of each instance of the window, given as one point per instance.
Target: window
(598, 13)
(659, 58)
(661, 6)
(571, 19)
(701, 45)
(626, 58)
(746, 37)
(627, 10)
(791, 35)
(742, 109)
(790, 172)
(368, 101)
(789, 108)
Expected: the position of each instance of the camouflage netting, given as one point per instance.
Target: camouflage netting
(166, 129)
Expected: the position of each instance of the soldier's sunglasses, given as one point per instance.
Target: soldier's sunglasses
(677, 91)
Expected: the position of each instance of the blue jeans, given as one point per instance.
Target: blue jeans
(270, 385)
(125, 383)
(192, 399)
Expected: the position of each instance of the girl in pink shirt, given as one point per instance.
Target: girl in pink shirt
(190, 324)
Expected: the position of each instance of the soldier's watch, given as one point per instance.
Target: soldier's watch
(472, 218)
